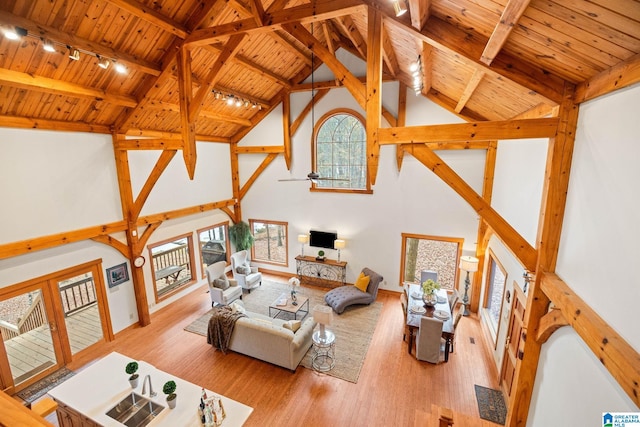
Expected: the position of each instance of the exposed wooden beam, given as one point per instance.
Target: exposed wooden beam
(476, 131)
(215, 73)
(259, 149)
(22, 247)
(618, 356)
(509, 19)
(161, 164)
(620, 75)
(185, 95)
(45, 31)
(374, 90)
(549, 323)
(317, 10)
(402, 120)
(257, 11)
(389, 54)
(341, 72)
(152, 133)
(152, 16)
(450, 105)
(420, 11)
(247, 185)
(148, 144)
(114, 243)
(278, 36)
(469, 89)
(178, 213)
(520, 248)
(332, 84)
(350, 29)
(286, 130)
(537, 111)
(466, 145)
(57, 87)
(59, 125)
(554, 196)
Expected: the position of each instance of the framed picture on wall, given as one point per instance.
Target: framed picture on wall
(118, 274)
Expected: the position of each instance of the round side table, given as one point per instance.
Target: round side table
(324, 351)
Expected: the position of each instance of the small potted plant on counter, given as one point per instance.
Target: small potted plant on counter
(320, 256)
(169, 389)
(131, 369)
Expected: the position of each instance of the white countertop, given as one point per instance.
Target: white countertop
(98, 388)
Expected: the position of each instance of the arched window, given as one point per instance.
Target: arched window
(341, 152)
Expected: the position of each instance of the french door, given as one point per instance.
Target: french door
(47, 321)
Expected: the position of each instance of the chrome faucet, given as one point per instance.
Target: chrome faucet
(144, 386)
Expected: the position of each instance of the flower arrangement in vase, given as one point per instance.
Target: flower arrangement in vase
(294, 282)
(429, 288)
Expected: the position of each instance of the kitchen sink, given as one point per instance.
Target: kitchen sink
(135, 410)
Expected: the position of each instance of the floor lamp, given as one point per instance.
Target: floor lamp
(303, 238)
(470, 265)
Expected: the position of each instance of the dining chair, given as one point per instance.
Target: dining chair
(405, 306)
(429, 340)
(454, 297)
(456, 321)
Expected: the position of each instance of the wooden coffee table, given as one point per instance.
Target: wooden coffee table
(302, 307)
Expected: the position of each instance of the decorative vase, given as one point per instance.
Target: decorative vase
(172, 402)
(430, 300)
(133, 380)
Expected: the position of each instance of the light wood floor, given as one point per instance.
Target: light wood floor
(394, 388)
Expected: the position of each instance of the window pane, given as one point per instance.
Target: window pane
(430, 253)
(341, 145)
(213, 244)
(496, 290)
(270, 241)
(171, 263)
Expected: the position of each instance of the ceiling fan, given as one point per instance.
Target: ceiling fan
(313, 177)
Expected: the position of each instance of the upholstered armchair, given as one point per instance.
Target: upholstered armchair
(222, 290)
(248, 277)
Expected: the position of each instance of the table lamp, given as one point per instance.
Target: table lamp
(339, 244)
(470, 265)
(322, 314)
(303, 238)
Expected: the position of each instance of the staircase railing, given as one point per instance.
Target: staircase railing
(34, 317)
(78, 295)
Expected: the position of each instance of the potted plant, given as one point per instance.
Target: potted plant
(169, 388)
(429, 288)
(240, 235)
(320, 256)
(131, 369)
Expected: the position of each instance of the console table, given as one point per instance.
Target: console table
(328, 273)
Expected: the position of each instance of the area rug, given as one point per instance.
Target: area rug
(40, 388)
(353, 329)
(491, 404)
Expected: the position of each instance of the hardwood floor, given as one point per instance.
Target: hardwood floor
(394, 388)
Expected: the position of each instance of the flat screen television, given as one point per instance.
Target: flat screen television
(322, 239)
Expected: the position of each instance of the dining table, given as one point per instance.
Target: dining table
(415, 302)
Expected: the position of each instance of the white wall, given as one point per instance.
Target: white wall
(413, 200)
(598, 252)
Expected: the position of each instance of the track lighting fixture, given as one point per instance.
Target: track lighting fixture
(103, 62)
(231, 99)
(416, 72)
(121, 68)
(73, 53)
(14, 33)
(399, 7)
(48, 45)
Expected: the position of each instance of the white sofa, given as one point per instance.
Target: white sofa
(266, 339)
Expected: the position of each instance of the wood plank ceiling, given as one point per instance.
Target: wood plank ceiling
(483, 59)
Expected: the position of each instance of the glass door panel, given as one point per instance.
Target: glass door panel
(81, 314)
(27, 336)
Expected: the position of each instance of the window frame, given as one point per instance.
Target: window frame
(193, 279)
(284, 224)
(314, 156)
(492, 260)
(459, 241)
(224, 225)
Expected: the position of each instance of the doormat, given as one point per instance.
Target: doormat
(491, 404)
(40, 388)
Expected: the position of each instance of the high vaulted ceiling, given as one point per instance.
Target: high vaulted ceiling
(484, 59)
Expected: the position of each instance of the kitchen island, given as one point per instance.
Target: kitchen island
(85, 398)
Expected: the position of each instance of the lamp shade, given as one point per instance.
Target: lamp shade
(322, 314)
(468, 263)
(303, 238)
(339, 244)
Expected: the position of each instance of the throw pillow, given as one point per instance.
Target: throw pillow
(237, 307)
(362, 282)
(243, 269)
(292, 325)
(222, 283)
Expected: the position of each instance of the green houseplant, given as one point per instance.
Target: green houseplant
(240, 235)
(169, 388)
(132, 369)
(320, 256)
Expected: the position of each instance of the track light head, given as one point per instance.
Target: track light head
(121, 68)
(73, 53)
(48, 45)
(103, 62)
(14, 33)
(399, 7)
